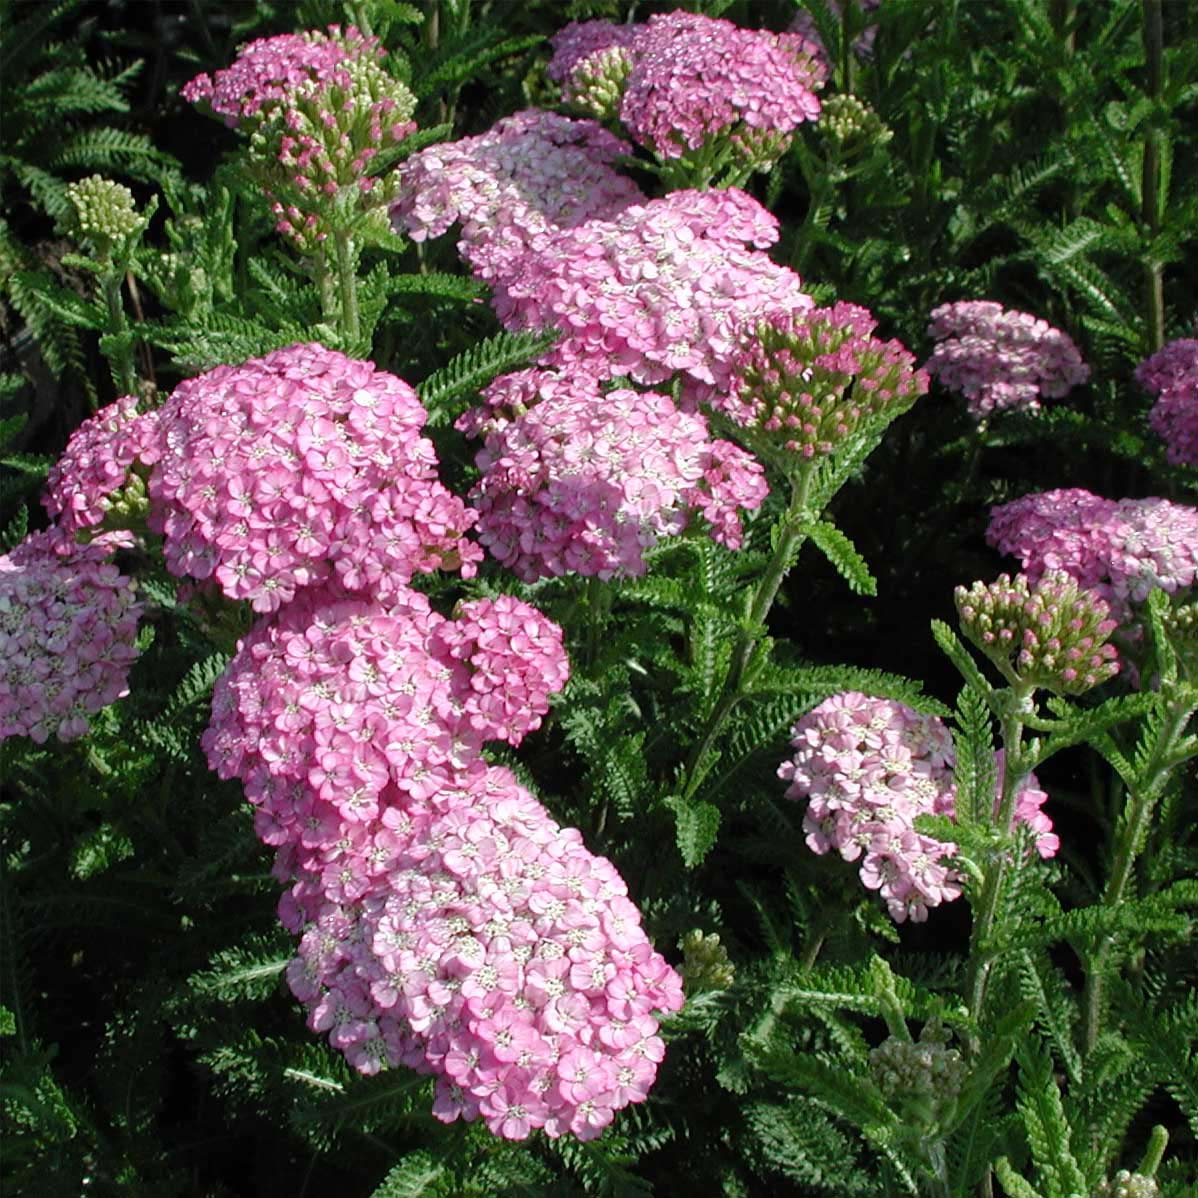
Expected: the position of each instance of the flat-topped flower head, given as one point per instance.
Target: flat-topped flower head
(68, 631)
(805, 382)
(660, 289)
(89, 479)
(271, 68)
(686, 85)
(1171, 374)
(586, 482)
(1120, 548)
(105, 212)
(1050, 633)
(999, 359)
(530, 176)
(298, 467)
(868, 768)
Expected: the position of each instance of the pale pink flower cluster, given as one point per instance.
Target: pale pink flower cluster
(95, 465)
(447, 922)
(586, 482)
(1171, 374)
(863, 45)
(1000, 359)
(1120, 548)
(68, 627)
(290, 469)
(868, 768)
(690, 80)
(267, 70)
(662, 288)
(512, 187)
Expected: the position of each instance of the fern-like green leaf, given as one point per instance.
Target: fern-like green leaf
(842, 553)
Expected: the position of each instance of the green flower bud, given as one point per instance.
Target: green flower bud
(596, 86)
(705, 964)
(849, 119)
(105, 211)
(922, 1080)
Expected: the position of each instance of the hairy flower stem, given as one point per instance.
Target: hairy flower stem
(791, 533)
(120, 361)
(1131, 833)
(326, 284)
(981, 961)
(348, 283)
(1150, 178)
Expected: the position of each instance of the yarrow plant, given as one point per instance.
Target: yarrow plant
(1001, 360)
(1171, 374)
(587, 481)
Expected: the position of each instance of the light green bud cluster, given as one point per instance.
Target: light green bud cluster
(705, 964)
(106, 211)
(1126, 1184)
(922, 1079)
(1051, 633)
(847, 118)
(596, 86)
(761, 148)
(1181, 627)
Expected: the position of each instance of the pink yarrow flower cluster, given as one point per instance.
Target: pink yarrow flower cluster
(689, 81)
(1171, 374)
(1001, 360)
(868, 768)
(294, 468)
(68, 627)
(1120, 548)
(662, 288)
(95, 465)
(269, 69)
(586, 482)
(510, 188)
(447, 922)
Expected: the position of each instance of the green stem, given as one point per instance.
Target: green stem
(981, 962)
(1150, 177)
(121, 361)
(347, 281)
(792, 532)
(1131, 833)
(328, 291)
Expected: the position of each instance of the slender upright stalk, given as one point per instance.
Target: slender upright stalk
(792, 533)
(1154, 294)
(347, 280)
(120, 362)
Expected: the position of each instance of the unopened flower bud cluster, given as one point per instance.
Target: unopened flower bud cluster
(1048, 633)
(106, 211)
(1171, 374)
(705, 963)
(923, 1078)
(1126, 1184)
(849, 119)
(869, 768)
(807, 381)
(1001, 360)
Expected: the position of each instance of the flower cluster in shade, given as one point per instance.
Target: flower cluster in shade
(1001, 360)
(297, 467)
(512, 187)
(803, 23)
(1171, 374)
(268, 70)
(577, 480)
(806, 381)
(662, 288)
(1049, 633)
(683, 83)
(868, 768)
(68, 630)
(1121, 549)
(446, 922)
